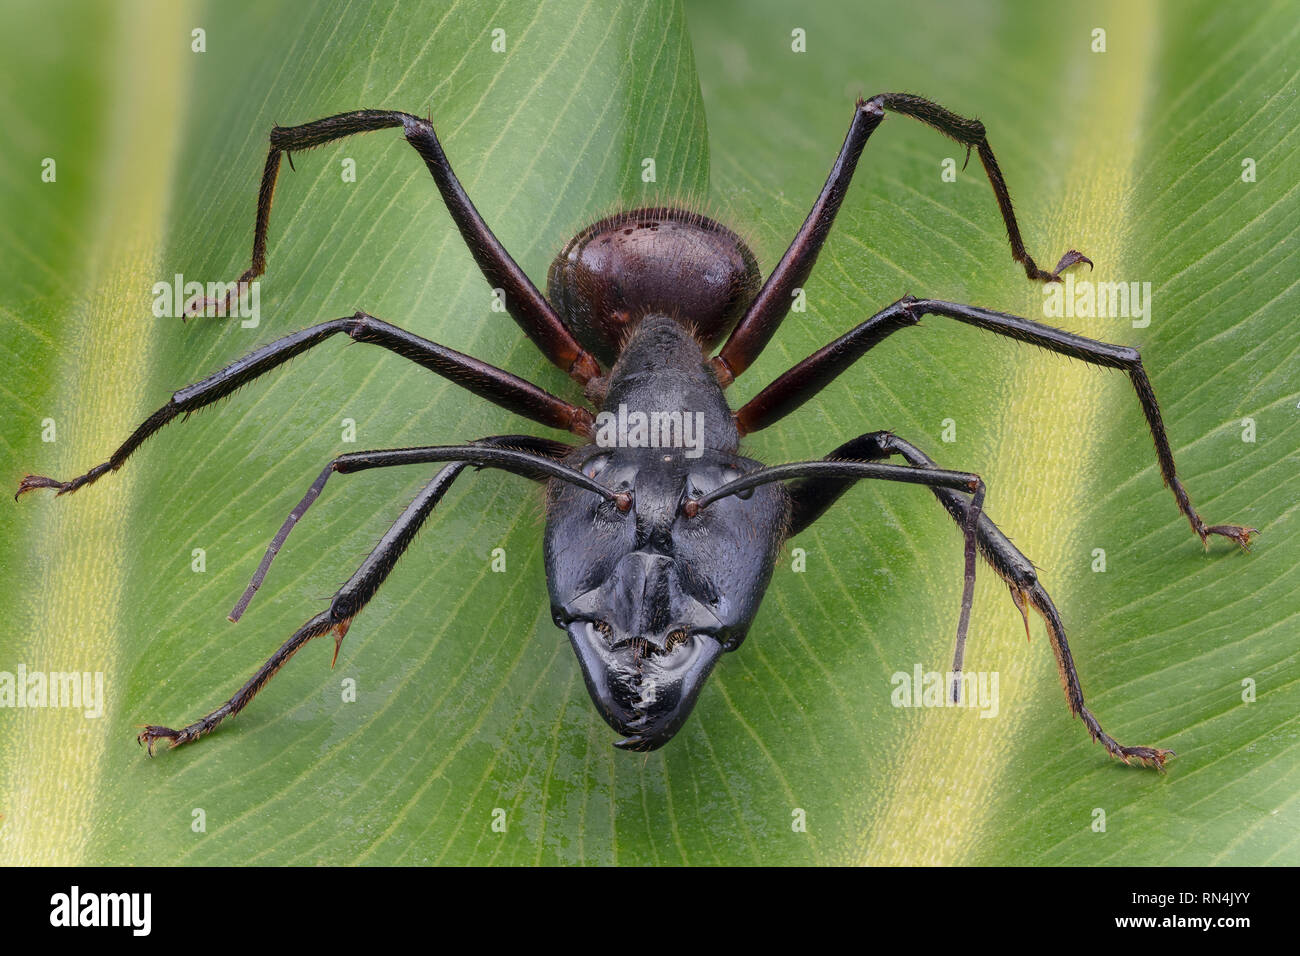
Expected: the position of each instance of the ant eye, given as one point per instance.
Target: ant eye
(732, 474)
(593, 466)
(699, 484)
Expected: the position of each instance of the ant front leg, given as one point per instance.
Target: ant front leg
(358, 461)
(518, 453)
(811, 497)
(842, 468)
(814, 373)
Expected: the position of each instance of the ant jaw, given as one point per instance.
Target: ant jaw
(644, 689)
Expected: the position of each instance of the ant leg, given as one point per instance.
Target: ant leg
(349, 599)
(811, 497)
(538, 446)
(814, 373)
(487, 381)
(523, 301)
(839, 467)
(765, 314)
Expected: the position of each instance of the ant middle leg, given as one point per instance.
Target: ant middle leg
(496, 385)
(807, 378)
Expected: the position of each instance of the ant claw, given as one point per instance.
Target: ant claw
(1235, 532)
(1150, 756)
(1071, 258)
(32, 482)
(152, 734)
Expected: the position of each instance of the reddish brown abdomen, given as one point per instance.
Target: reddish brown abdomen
(662, 261)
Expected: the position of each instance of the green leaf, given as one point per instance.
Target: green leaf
(468, 699)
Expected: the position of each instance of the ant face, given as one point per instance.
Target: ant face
(651, 597)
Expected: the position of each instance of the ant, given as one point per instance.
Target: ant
(657, 553)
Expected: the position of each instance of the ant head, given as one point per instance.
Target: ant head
(652, 595)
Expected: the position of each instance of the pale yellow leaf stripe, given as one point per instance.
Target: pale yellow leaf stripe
(953, 768)
(76, 619)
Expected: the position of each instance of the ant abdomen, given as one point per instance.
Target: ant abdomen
(659, 260)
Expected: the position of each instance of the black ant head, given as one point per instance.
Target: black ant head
(650, 597)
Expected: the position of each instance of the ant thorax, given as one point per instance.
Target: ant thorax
(662, 393)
